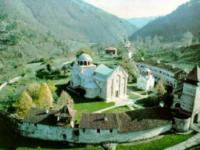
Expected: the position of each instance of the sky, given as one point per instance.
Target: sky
(137, 8)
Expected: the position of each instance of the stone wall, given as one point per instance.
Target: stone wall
(88, 136)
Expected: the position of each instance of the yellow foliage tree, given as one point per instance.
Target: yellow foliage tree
(52, 86)
(23, 105)
(65, 99)
(45, 99)
(160, 88)
(33, 90)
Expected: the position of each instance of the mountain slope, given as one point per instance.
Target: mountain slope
(173, 26)
(69, 19)
(141, 22)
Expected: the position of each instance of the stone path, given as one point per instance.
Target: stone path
(130, 103)
(11, 81)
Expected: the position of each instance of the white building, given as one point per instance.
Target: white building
(111, 51)
(99, 81)
(130, 50)
(146, 81)
(172, 76)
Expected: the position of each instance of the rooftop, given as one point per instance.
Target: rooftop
(136, 120)
(164, 66)
(37, 115)
(145, 119)
(194, 75)
(111, 49)
(85, 57)
(104, 70)
(48, 117)
(98, 121)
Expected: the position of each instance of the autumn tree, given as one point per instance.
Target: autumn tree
(65, 99)
(23, 105)
(160, 88)
(45, 99)
(33, 90)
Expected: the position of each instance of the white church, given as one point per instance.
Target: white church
(146, 81)
(99, 81)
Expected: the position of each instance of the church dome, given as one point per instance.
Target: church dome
(85, 58)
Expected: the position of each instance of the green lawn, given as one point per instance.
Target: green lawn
(90, 107)
(133, 96)
(160, 144)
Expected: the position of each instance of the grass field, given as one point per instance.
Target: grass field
(90, 107)
(159, 144)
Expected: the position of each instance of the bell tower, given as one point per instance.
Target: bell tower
(190, 99)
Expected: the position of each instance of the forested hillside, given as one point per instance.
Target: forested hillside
(173, 26)
(72, 20)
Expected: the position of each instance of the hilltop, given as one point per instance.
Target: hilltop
(172, 27)
(72, 20)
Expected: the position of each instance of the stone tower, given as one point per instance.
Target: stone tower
(190, 99)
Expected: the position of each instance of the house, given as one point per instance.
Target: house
(101, 128)
(146, 81)
(61, 117)
(122, 127)
(112, 51)
(171, 75)
(99, 81)
(189, 111)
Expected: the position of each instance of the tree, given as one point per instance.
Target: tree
(65, 99)
(85, 50)
(131, 68)
(160, 88)
(148, 42)
(156, 44)
(48, 62)
(8, 34)
(187, 38)
(45, 99)
(33, 90)
(23, 105)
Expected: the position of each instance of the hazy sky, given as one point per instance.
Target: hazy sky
(137, 8)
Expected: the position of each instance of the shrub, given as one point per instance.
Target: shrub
(160, 88)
